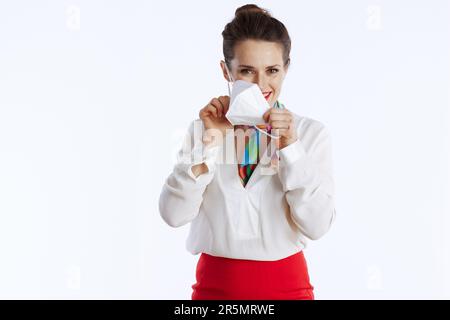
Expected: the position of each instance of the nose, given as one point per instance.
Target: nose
(262, 82)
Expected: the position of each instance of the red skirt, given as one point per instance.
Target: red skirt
(219, 278)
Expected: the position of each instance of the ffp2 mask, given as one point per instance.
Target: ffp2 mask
(247, 104)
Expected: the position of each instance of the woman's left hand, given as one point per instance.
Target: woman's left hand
(282, 123)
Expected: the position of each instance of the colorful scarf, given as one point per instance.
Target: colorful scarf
(251, 151)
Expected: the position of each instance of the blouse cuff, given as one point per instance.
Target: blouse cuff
(295, 167)
(201, 154)
(292, 153)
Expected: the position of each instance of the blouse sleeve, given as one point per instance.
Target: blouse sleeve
(182, 192)
(306, 174)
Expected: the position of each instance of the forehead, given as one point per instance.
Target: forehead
(258, 53)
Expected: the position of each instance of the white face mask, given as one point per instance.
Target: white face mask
(247, 104)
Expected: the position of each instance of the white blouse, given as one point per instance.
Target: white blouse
(268, 219)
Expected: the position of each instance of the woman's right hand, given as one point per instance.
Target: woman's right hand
(213, 115)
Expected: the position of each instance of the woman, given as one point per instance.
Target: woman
(251, 222)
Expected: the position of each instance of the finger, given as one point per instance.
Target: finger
(279, 124)
(225, 103)
(266, 115)
(216, 102)
(204, 112)
(222, 105)
(276, 133)
(281, 133)
(211, 109)
(284, 132)
(274, 113)
(279, 110)
(281, 117)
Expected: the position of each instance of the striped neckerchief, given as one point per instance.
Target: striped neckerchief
(252, 155)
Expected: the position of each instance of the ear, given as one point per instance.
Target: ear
(286, 66)
(224, 71)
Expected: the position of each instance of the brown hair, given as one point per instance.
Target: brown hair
(253, 22)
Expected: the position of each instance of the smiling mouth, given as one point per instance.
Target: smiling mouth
(267, 95)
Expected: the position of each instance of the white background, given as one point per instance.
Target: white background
(95, 96)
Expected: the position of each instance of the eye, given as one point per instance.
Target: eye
(245, 71)
(273, 70)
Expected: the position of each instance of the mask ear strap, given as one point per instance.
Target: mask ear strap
(229, 76)
(268, 134)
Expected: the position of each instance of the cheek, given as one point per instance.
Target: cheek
(242, 76)
(245, 75)
(276, 85)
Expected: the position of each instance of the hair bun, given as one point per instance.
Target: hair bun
(248, 8)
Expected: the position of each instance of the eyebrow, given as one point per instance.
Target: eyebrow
(251, 67)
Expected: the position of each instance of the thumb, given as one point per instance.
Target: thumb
(266, 115)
